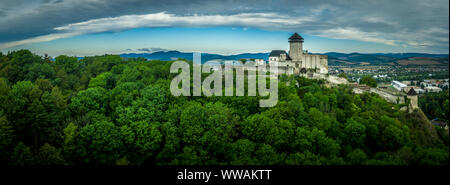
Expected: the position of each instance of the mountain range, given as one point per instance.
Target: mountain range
(334, 58)
(173, 55)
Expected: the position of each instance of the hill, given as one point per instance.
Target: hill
(334, 58)
(172, 55)
(385, 58)
(105, 110)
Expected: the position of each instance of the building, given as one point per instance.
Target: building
(398, 85)
(442, 83)
(278, 56)
(260, 62)
(433, 89)
(380, 76)
(419, 90)
(297, 61)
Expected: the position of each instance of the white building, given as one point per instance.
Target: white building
(260, 62)
(433, 89)
(398, 85)
(419, 90)
(380, 76)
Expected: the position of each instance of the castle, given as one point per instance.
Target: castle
(298, 61)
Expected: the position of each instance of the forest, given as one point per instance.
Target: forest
(435, 105)
(107, 110)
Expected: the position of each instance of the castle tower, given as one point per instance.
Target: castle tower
(414, 104)
(296, 47)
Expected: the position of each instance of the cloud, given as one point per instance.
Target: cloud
(355, 34)
(414, 23)
(151, 50)
(38, 39)
(163, 19)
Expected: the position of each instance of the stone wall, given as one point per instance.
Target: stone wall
(296, 50)
(414, 104)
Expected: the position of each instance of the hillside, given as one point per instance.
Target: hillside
(107, 110)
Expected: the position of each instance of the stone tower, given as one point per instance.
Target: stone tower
(296, 47)
(414, 104)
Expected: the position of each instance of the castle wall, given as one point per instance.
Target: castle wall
(324, 64)
(316, 62)
(307, 63)
(304, 61)
(313, 62)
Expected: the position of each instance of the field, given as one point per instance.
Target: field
(418, 61)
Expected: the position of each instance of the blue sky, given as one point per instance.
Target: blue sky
(95, 27)
(220, 40)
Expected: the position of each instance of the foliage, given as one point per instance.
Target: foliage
(368, 80)
(435, 105)
(109, 110)
(343, 75)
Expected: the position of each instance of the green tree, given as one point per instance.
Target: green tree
(89, 100)
(266, 154)
(49, 155)
(149, 106)
(70, 141)
(21, 61)
(242, 152)
(100, 143)
(21, 156)
(29, 114)
(143, 138)
(343, 75)
(263, 129)
(70, 64)
(38, 70)
(431, 156)
(368, 80)
(6, 138)
(207, 130)
(354, 134)
(357, 157)
(105, 80)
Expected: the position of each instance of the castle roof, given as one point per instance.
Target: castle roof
(277, 53)
(411, 92)
(296, 38)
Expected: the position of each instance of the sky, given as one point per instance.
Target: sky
(96, 27)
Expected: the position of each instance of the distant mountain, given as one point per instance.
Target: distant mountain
(334, 58)
(393, 55)
(408, 55)
(383, 58)
(173, 55)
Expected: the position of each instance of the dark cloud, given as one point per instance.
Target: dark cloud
(151, 50)
(416, 21)
(144, 49)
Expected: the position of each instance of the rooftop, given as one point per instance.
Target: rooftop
(412, 92)
(277, 53)
(296, 38)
